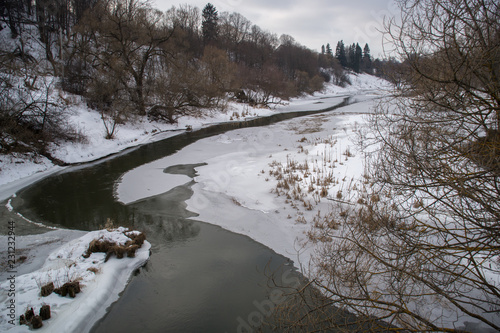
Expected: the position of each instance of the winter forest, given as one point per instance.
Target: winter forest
(126, 58)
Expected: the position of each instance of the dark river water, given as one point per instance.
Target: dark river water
(200, 277)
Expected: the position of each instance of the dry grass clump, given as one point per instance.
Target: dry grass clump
(374, 218)
(69, 288)
(119, 250)
(323, 227)
(29, 318)
(98, 245)
(47, 289)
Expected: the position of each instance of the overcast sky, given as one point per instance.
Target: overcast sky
(311, 22)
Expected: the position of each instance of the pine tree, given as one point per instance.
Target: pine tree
(366, 52)
(367, 60)
(358, 56)
(329, 50)
(322, 49)
(209, 24)
(350, 55)
(340, 54)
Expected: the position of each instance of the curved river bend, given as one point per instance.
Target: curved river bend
(200, 277)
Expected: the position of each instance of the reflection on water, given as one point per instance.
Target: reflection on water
(164, 217)
(199, 284)
(200, 277)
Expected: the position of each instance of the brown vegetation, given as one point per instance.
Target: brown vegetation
(126, 59)
(110, 248)
(47, 289)
(35, 322)
(69, 288)
(45, 312)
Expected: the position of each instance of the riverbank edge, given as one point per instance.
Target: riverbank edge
(9, 189)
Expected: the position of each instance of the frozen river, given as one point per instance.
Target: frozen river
(200, 276)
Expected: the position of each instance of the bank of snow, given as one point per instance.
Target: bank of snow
(234, 189)
(101, 289)
(100, 281)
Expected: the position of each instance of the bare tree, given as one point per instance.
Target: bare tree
(422, 254)
(234, 29)
(217, 75)
(31, 115)
(187, 20)
(126, 38)
(266, 86)
(184, 86)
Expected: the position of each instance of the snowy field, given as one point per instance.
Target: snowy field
(237, 188)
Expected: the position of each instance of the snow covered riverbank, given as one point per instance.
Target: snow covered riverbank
(19, 170)
(277, 184)
(100, 281)
(280, 185)
(236, 190)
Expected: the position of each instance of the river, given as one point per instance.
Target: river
(200, 277)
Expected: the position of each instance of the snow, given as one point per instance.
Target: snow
(237, 187)
(16, 168)
(234, 189)
(233, 161)
(101, 282)
(148, 180)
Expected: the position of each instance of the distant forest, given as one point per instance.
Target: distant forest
(127, 58)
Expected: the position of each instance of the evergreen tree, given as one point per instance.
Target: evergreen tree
(367, 60)
(350, 55)
(209, 24)
(366, 52)
(340, 54)
(358, 56)
(329, 50)
(322, 49)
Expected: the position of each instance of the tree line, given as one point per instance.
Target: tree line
(351, 56)
(127, 58)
